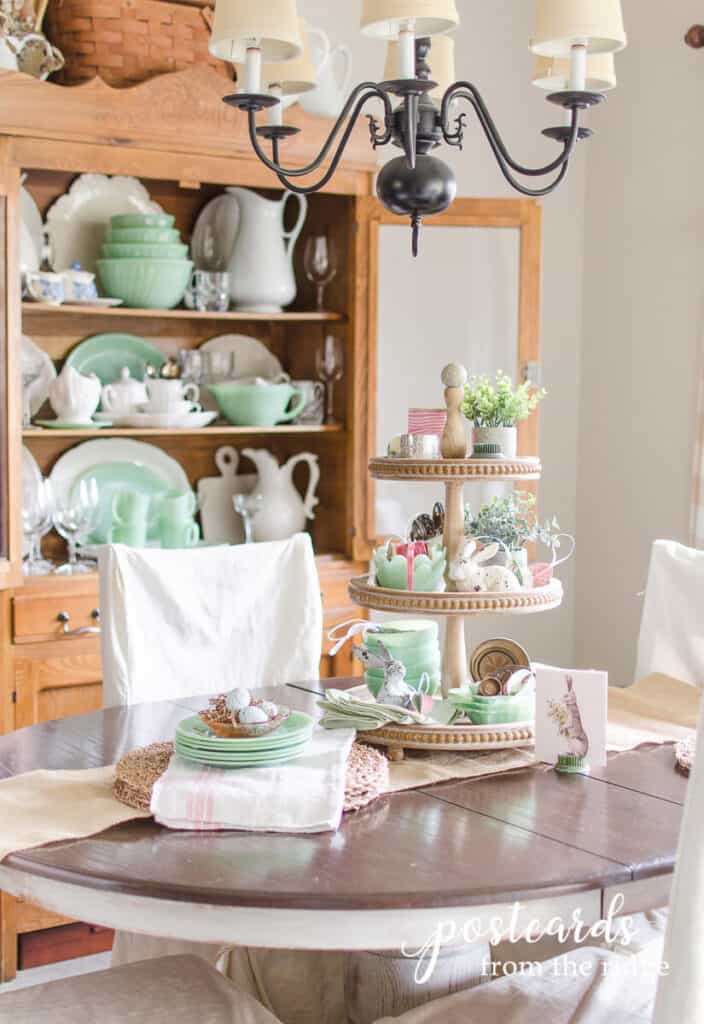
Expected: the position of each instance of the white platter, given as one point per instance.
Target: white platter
(76, 223)
(36, 358)
(219, 521)
(100, 454)
(214, 234)
(31, 233)
(31, 478)
(166, 420)
(252, 357)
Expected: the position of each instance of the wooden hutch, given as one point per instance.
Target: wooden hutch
(176, 135)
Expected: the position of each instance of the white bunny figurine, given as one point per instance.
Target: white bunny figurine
(394, 689)
(470, 574)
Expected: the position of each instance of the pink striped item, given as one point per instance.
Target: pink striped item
(426, 421)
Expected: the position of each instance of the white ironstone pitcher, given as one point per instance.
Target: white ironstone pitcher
(261, 263)
(283, 512)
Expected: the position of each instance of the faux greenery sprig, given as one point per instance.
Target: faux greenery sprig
(511, 521)
(499, 404)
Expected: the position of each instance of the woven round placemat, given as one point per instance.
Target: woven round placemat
(135, 775)
(685, 751)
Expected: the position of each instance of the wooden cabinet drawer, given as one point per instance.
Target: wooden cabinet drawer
(56, 685)
(36, 617)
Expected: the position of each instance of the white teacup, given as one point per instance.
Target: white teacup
(181, 408)
(169, 395)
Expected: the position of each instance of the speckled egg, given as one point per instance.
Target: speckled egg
(238, 699)
(252, 716)
(269, 708)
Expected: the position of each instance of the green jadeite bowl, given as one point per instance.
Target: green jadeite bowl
(142, 220)
(493, 710)
(398, 635)
(145, 284)
(414, 667)
(255, 405)
(149, 236)
(144, 251)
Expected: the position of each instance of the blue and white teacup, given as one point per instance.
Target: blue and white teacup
(44, 286)
(79, 285)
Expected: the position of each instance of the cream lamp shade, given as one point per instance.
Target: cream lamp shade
(553, 73)
(385, 18)
(271, 25)
(562, 24)
(294, 76)
(441, 60)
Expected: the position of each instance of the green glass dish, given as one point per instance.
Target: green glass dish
(144, 251)
(113, 477)
(142, 220)
(145, 284)
(252, 405)
(250, 761)
(297, 725)
(235, 745)
(494, 710)
(398, 634)
(106, 354)
(150, 236)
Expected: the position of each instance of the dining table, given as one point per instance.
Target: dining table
(514, 850)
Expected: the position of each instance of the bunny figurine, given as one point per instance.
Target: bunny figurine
(469, 572)
(395, 690)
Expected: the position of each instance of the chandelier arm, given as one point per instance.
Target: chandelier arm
(469, 92)
(370, 91)
(303, 190)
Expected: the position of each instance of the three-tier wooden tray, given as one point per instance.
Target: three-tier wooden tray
(454, 606)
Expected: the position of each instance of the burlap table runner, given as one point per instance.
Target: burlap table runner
(46, 806)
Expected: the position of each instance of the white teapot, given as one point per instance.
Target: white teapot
(124, 395)
(74, 396)
(283, 512)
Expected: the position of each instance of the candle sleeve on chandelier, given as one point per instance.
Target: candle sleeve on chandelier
(553, 73)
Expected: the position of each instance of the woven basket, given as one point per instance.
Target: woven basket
(129, 41)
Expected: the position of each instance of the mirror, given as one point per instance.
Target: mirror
(458, 302)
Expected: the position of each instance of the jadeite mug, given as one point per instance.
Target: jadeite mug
(176, 526)
(130, 515)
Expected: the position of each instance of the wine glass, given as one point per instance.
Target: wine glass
(37, 508)
(330, 365)
(75, 515)
(247, 506)
(29, 375)
(320, 264)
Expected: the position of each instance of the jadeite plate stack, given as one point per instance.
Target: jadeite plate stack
(144, 262)
(195, 742)
(413, 642)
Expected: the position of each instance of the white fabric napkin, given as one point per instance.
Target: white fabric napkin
(303, 795)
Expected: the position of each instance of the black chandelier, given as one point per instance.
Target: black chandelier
(417, 183)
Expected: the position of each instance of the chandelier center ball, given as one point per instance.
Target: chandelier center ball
(428, 188)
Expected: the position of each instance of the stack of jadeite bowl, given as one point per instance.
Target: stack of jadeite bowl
(413, 642)
(499, 710)
(144, 261)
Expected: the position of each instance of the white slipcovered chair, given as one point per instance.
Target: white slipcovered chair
(671, 639)
(190, 622)
(171, 990)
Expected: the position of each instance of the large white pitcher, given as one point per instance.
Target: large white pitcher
(261, 264)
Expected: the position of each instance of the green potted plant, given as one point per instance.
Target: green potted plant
(512, 523)
(495, 409)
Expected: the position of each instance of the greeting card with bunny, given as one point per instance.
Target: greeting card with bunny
(570, 717)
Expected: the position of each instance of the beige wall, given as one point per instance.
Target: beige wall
(642, 328)
(491, 47)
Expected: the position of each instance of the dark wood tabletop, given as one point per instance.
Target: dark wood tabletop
(517, 836)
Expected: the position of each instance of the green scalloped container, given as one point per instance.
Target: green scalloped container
(142, 220)
(144, 251)
(149, 236)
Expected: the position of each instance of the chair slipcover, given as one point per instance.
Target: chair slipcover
(671, 637)
(197, 621)
(171, 990)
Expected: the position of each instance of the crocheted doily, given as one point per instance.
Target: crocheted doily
(135, 775)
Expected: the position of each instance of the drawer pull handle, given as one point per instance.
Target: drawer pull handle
(64, 618)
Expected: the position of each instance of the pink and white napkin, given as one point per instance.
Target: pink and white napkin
(303, 795)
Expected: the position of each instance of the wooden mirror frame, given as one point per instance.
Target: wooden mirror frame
(524, 214)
